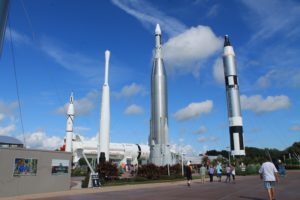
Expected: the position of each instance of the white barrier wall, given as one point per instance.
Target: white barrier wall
(27, 171)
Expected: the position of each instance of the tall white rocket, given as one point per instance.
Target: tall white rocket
(69, 128)
(103, 145)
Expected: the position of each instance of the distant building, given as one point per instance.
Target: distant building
(7, 141)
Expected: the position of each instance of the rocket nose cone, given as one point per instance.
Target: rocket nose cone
(157, 30)
(107, 53)
(226, 41)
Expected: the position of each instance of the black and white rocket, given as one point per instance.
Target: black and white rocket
(233, 100)
(159, 148)
(103, 140)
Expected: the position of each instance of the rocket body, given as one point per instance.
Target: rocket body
(104, 137)
(158, 140)
(233, 100)
(70, 123)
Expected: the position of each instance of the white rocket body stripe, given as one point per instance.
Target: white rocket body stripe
(69, 127)
(104, 136)
(233, 100)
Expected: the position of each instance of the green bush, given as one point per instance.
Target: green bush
(108, 171)
(78, 172)
(292, 167)
(85, 181)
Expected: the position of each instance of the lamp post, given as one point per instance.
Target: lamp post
(228, 155)
(182, 154)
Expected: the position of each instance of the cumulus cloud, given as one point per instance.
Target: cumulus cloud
(82, 106)
(295, 127)
(7, 130)
(194, 110)
(218, 71)
(149, 16)
(7, 109)
(133, 110)
(202, 129)
(287, 77)
(183, 52)
(258, 104)
(40, 140)
(131, 90)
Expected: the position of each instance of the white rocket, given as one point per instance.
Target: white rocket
(103, 146)
(69, 128)
(233, 100)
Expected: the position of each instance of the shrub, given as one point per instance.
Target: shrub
(292, 167)
(107, 172)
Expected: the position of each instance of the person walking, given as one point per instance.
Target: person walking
(202, 172)
(228, 173)
(269, 174)
(219, 171)
(188, 173)
(211, 171)
(233, 173)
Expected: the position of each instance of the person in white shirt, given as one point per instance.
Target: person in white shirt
(269, 174)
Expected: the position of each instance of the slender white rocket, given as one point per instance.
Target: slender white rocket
(69, 128)
(103, 146)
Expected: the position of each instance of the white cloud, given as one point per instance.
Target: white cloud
(40, 140)
(295, 128)
(7, 109)
(258, 104)
(202, 139)
(7, 130)
(130, 90)
(133, 110)
(271, 17)
(202, 129)
(81, 129)
(149, 16)
(82, 106)
(187, 47)
(213, 11)
(218, 71)
(183, 52)
(2, 116)
(194, 110)
(72, 61)
(287, 77)
(17, 37)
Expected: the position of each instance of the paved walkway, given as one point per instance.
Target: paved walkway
(245, 188)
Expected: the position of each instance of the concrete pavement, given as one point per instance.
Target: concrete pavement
(245, 188)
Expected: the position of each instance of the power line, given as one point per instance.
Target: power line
(16, 81)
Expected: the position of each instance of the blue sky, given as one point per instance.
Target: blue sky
(59, 48)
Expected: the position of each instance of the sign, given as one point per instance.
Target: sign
(60, 167)
(95, 180)
(25, 167)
